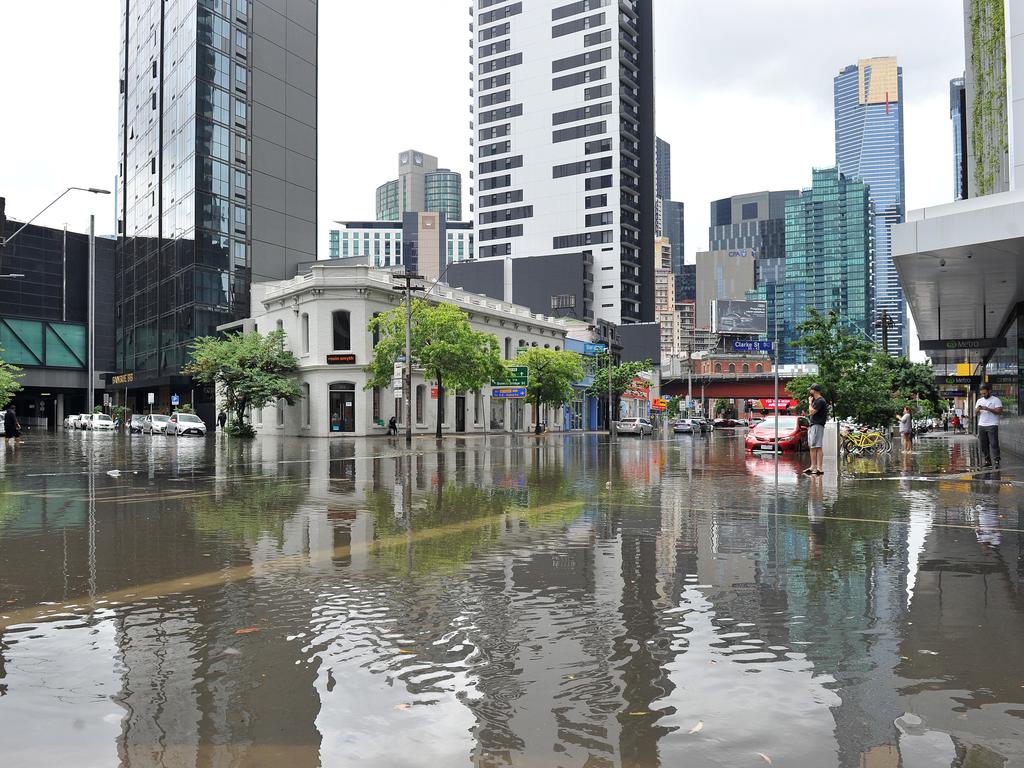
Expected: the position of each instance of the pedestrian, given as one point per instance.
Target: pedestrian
(907, 429)
(222, 419)
(816, 433)
(987, 411)
(392, 426)
(12, 427)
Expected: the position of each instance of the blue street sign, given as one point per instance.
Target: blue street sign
(508, 392)
(751, 346)
(175, 400)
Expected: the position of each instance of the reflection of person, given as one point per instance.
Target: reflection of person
(816, 518)
(816, 432)
(907, 429)
(987, 411)
(12, 427)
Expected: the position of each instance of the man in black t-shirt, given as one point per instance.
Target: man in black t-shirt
(816, 432)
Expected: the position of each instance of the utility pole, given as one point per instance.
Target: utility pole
(407, 278)
(611, 399)
(90, 351)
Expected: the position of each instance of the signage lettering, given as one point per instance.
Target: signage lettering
(122, 378)
(341, 359)
(939, 344)
(508, 392)
(518, 376)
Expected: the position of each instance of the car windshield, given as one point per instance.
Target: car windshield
(160, 418)
(138, 418)
(785, 422)
(191, 418)
(103, 417)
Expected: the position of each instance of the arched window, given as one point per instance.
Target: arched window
(718, 367)
(732, 368)
(304, 333)
(342, 327)
(759, 368)
(280, 325)
(305, 404)
(746, 368)
(508, 347)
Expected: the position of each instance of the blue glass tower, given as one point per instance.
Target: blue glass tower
(869, 146)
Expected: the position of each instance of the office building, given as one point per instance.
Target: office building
(563, 130)
(722, 275)
(421, 186)
(674, 230)
(426, 242)
(756, 222)
(217, 175)
(987, 87)
(665, 296)
(662, 169)
(958, 117)
(44, 320)
(829, 252)
(686, 283)
(691, 338)
(869, 147)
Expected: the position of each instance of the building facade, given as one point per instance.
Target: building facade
(217, 173)
(674, 230)
(987, 99)
(662, 169)
(756, 222)
(869, 147)
(324, 315)
(958, 117)
(420, 187)
(44, 320)
(722, 275)
(829, 253)
(665, 297)
(562, 120)
(427, 240)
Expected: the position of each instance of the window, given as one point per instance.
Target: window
(759, 368)
(342, 404)
(342, 329)
(240, 109)
(746, 368)
(732, 368)
(240, 181)
(240, 41)
(508, 348)
(304, 334)
(305, 406)
(376, 404)
(420, 393)
(241, 76)
(718, 367)
(239, 216)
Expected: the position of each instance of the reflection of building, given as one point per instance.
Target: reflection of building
(722, 275)
(869, 147)
(420, 186)
(44, 316)
(562, 116)
(958, 116)
(218, 126)
(325, 314)
(436, 241)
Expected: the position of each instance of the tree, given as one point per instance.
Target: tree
(9, 386)
(552, 374)
(622, 377)
(249, 369)
(444, 345)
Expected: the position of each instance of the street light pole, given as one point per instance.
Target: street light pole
(407, 278)
(91, 344)
(4, 241)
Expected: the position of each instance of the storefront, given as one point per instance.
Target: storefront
(342, 407)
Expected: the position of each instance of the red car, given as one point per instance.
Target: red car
(792, 434)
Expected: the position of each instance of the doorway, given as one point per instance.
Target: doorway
(460, 413)
(342, 402)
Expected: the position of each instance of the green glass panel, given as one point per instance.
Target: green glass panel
(19, 339)
(65, 345)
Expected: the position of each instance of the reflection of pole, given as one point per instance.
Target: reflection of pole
(776, 367)
(91, 293)
(689, 374)
(407, 278)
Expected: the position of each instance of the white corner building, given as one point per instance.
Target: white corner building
(324, 314)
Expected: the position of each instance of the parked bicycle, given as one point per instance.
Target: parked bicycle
(864, 441)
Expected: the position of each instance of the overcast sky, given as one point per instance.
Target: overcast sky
(744, 95)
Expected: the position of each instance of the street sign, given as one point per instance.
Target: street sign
(508, 392)
(518, 376)
(175, 400)
(751, 346)
(433, 393)
(150, 397)
(934, 344)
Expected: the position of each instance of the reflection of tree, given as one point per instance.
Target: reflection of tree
(249, 508)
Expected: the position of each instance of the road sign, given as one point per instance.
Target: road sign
(751, 346)
(508, 392)
(518, 376)
(175, 400)
(150, 397)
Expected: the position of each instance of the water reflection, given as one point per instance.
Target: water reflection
(503, 601)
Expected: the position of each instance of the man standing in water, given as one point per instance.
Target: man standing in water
(816, 432)
(987, 411)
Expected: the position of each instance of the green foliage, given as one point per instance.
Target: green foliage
(97, 409)
(552, 374)
(444, 345)
(674, 405)
(119, 412)
(249, 369)
(621, 377)
(987, 53)
(723, 407)
(185, 408)
(9, 386)
(860, 383)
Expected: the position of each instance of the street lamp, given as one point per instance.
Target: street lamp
(94, 190)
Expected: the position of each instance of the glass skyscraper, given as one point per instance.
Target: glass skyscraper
(421, 187)
(829, 259)
(217, 171)
(958, 116)
(869, 146)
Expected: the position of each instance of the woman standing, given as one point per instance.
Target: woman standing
(907, 429)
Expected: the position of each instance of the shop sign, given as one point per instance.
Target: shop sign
(508, 392)
(347, 358)
(772, 405)
(658, 404)
(590, 350)
(969, 381)
(517, 376)
(638, 390)
(938, 344)
(123, 378)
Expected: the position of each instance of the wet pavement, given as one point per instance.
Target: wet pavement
(506, 601)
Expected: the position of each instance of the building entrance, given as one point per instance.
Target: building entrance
(342, 407)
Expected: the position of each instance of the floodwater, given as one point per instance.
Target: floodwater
(505, 601)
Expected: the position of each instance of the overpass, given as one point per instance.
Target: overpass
(731, 386)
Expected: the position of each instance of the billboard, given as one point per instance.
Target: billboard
(739, 317)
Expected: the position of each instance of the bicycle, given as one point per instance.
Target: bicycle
(861, 441)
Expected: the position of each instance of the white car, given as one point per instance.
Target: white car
(155, 424)
(634, 426)
(82, 422)
(100, 421)
(685, 427)
(71, 422)
(185, 424)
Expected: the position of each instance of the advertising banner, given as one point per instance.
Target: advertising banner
(739, 317)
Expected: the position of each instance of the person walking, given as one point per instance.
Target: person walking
(222, 420)
(987, 411)
(12, 427)
(907, 429)
(816, 433)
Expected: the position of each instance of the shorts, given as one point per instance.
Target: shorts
(815, 435)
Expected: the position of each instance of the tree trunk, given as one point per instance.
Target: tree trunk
(440, 406)
(536, 417)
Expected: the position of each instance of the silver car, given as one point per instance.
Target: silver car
(82, 421)
(155, 424)
(634, 426)
(185, 424)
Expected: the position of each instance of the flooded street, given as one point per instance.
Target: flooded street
(505, 601)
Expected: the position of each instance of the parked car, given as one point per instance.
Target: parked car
(729, 423)
(71, 421)
(185, 424)
(792, 435)
(99, 421)
(683, 427)
(83, 421)
(634, 426)
(155, 424)
(135, 425)
(706, 425)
